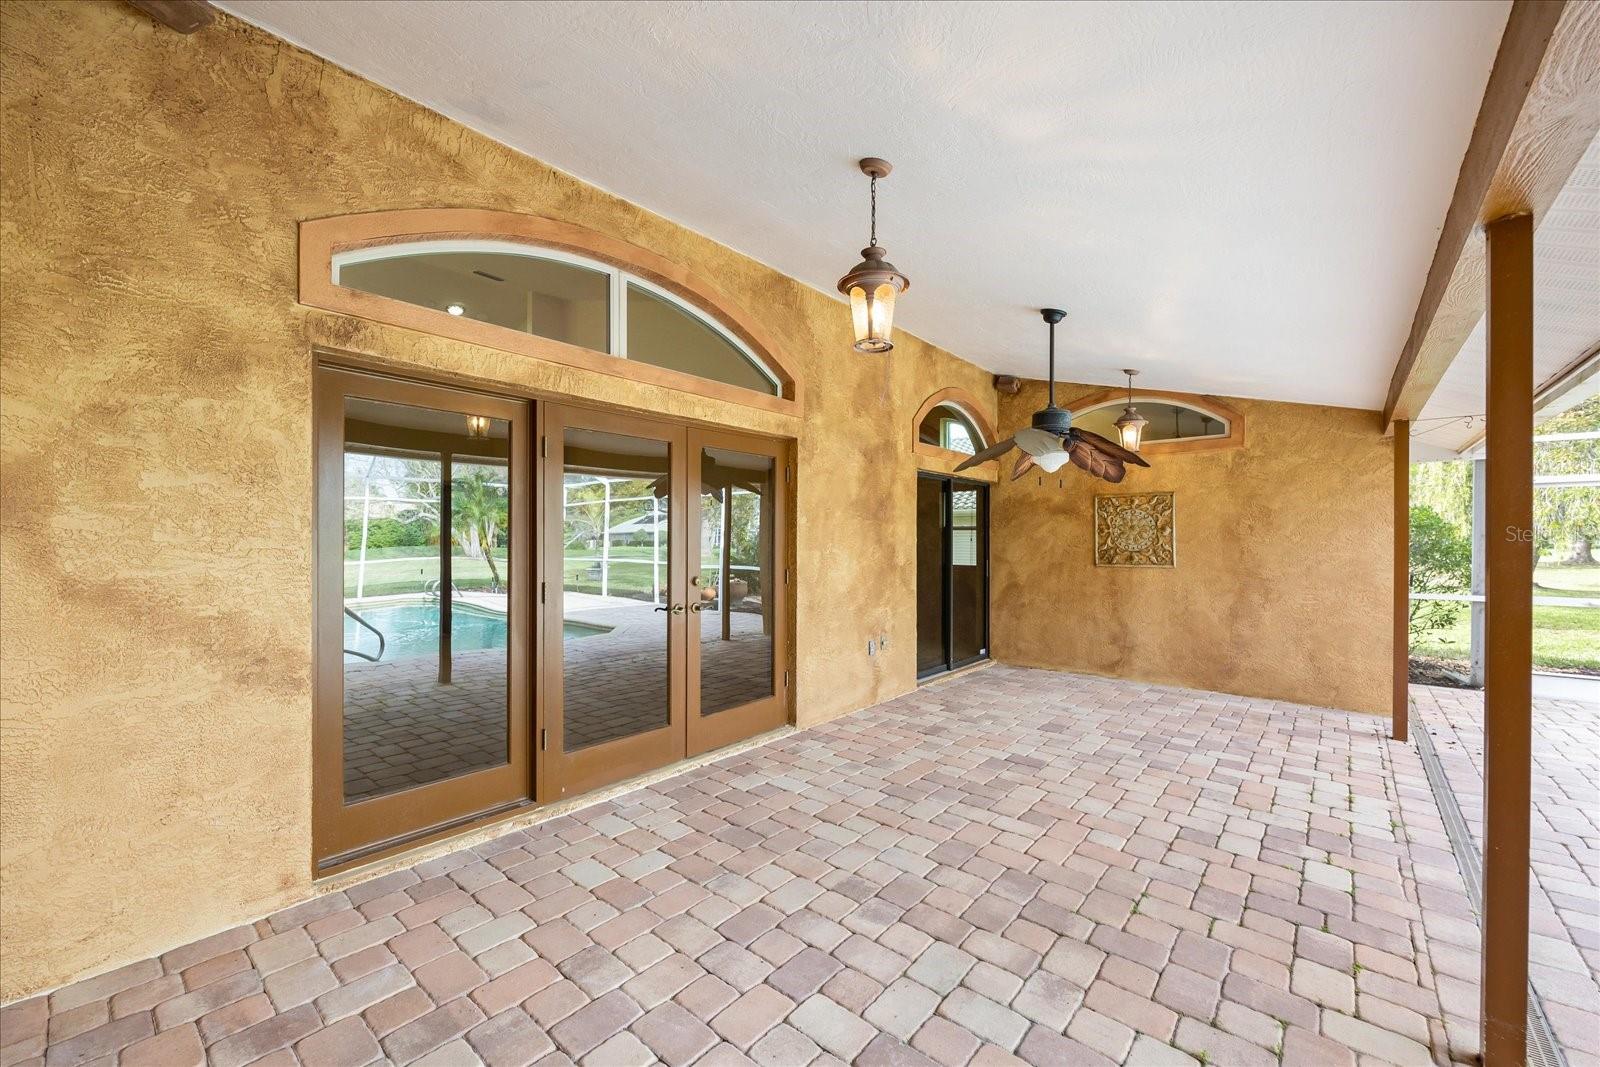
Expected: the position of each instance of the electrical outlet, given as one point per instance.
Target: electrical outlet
(883, 642)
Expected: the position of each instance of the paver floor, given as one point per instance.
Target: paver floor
(1564, 895)
(1012, 865)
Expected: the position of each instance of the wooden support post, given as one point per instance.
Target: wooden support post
(1399, 714)
(1508, 661)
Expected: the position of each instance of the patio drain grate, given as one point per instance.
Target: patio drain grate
(1543, 1049)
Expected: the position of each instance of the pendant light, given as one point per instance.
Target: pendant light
(873, 284)
(1131, 424)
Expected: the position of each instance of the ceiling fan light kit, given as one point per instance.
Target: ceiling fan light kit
(873, 284)
(1052, 441)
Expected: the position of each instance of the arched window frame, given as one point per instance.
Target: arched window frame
(1205, 405)
(328, 244)
(944, 460)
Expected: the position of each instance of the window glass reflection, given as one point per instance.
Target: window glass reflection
(735, 582)
(616, 538)
(426, 580)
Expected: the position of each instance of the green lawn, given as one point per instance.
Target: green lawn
(389, 576)
(1562, 637)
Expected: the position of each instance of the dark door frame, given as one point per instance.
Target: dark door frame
(948, 484)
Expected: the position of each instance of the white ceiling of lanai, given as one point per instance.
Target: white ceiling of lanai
(1237, 198)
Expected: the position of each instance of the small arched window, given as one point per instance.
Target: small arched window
(558, 296)
(950, 426)
(947, 426)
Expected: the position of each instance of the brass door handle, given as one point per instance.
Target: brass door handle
(677, 609)
(698, 606)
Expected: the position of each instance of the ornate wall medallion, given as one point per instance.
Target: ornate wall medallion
(1134, 530)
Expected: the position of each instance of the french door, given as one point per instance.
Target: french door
(423, 611)
(663, 593)
(493, 629)
(952, 573)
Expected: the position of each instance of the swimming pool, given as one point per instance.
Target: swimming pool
(411, 628)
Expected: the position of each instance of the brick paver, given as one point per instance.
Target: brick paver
(1017, 866)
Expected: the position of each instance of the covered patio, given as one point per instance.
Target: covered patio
(1012, 865)
(481, 588)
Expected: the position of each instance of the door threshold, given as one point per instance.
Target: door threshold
(959, 672)
(530, 816)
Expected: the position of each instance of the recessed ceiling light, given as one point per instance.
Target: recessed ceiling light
(455, 309)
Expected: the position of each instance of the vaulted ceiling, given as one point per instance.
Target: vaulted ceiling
(1237, 198)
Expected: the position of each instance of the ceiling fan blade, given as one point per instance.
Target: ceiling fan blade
(1109, 447)
(1096, 463)
(1024, 465)
(999, 448)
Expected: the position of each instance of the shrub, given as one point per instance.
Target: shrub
(388, 533)
(1441, 562)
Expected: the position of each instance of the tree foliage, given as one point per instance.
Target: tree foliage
(1441, 562)
(1567, 518)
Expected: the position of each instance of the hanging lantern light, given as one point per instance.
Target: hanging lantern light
(477, 426)
(1130, 425)
(873, 284)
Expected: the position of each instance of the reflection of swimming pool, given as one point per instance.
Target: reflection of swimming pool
(411, 628)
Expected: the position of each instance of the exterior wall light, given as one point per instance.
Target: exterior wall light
(477, 426)
(873, 284)
(1130, 424)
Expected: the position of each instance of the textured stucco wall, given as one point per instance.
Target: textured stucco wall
(1282, 582)
(155, 771)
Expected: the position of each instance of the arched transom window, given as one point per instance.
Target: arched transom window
(1169, 420)
(1177, 422)
(947, 426)
(559, 296)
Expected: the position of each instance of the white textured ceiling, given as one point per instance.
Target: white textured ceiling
(1566, 318)
(1238, 198)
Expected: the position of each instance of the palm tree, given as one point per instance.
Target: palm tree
(479, 512)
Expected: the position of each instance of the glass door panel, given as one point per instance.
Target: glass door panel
(952, 573)
(613, 700)
(969, 557)
(930, 575)
(424, 719)
(736, 590)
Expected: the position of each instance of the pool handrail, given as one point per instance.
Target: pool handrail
(381, 642)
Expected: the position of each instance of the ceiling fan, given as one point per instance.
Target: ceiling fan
(1053, 441)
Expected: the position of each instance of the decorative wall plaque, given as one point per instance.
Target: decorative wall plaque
(1134, 530)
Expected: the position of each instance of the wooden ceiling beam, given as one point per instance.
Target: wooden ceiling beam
(1540, 111)
(185, 16)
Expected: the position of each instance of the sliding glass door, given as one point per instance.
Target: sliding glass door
(952, 573)
(423, 562)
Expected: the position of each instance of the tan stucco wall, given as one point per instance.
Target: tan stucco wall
(155, 424)
(1282, 583)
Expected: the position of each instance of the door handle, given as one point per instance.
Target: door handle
(698, 606)
(677, 609)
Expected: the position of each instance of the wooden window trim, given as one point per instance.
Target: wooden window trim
(322, 239)
(941, 460)
(1205, 404)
